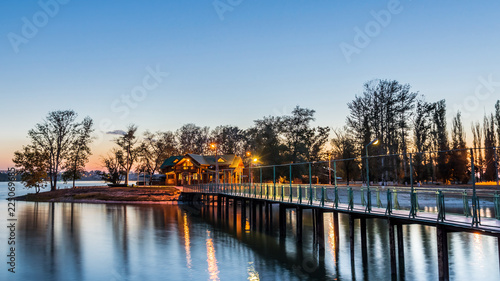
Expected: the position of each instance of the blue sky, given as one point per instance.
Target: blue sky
(262, 58)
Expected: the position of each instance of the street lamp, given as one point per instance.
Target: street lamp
(251, 174)
(329, 169)
(214, 146)
(368, 193)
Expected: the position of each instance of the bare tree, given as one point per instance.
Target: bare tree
(154, 149)
(55, 137)
(127, 143)
(79, 152)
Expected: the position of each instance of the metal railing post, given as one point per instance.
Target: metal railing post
(476, 219)
(310, 185)
(413, 197)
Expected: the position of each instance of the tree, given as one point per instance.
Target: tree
(154, 149)
(422, 129)
(489, 144)
(383, 112)
(497, 119)
(230, 139)
(55, 137)
(458, 158)
(440, 140)
(303, 142)
(78, 154)
(477, 142)
(32, 163)
(127, 143)
(113, 163)
(192, 139)
(344, 148)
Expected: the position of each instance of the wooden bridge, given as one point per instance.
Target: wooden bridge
(398, 206)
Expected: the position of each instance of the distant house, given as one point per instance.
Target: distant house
(197, 169)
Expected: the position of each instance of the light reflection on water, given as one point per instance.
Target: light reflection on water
(64, 241)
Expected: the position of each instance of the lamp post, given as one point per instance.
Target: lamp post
(329, 169)
(214, 146)
(368, 193)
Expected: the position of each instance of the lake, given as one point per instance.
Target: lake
(73, 241)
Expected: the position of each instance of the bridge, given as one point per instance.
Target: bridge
(446, 209)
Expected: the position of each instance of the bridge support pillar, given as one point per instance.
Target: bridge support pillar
(442, 247)
(401, 251)
(392, 251)
(298, 220)
(261, 215)
(364, 251)
(270, 218)
(226, 215)
(336, 232)
(235, 212)
(320, 229)
(351, 238)
(282, 220)
(219, 208)
(253, 216)
(243, 213)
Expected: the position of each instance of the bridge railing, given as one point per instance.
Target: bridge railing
(442, 204)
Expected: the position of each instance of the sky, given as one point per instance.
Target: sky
(162, 64)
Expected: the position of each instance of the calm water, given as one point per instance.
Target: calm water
(64, 241)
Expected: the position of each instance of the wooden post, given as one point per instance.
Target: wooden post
(336, 232)
(266, 216)
(270, 218)
(298, 220)
(392, 243)
(235, 212)
(219, 208)
(401, 250)
(442, 247)
(282, 220)
(243, 213)
(227, 210)
(364, 252)
(320, 229)
(261, 215)
(253, 217)
(351, 238)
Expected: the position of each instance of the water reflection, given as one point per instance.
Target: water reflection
(63, 241)
(211, 260)
(187, 241)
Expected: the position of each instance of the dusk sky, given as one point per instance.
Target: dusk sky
(162, 64)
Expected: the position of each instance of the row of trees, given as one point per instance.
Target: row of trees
(404, 122)
(274, 139)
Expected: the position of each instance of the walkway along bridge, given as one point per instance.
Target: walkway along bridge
(446, 209)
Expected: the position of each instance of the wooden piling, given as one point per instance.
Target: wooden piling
(364, 252)
(401, 250)
(392, 245)
(243, 213)
(235, 212)
(320, 229)
(282, 220)
(298, 222)
(442, 248)
(270, 218)
(351, 237)
(336, 232)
